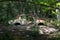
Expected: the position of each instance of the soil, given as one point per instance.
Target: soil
(9, 32)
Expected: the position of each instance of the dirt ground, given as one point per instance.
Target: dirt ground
(6, 33)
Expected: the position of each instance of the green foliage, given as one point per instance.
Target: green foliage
(9, 9)
(55, 23)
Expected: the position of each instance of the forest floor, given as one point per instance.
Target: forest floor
(6, 33)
